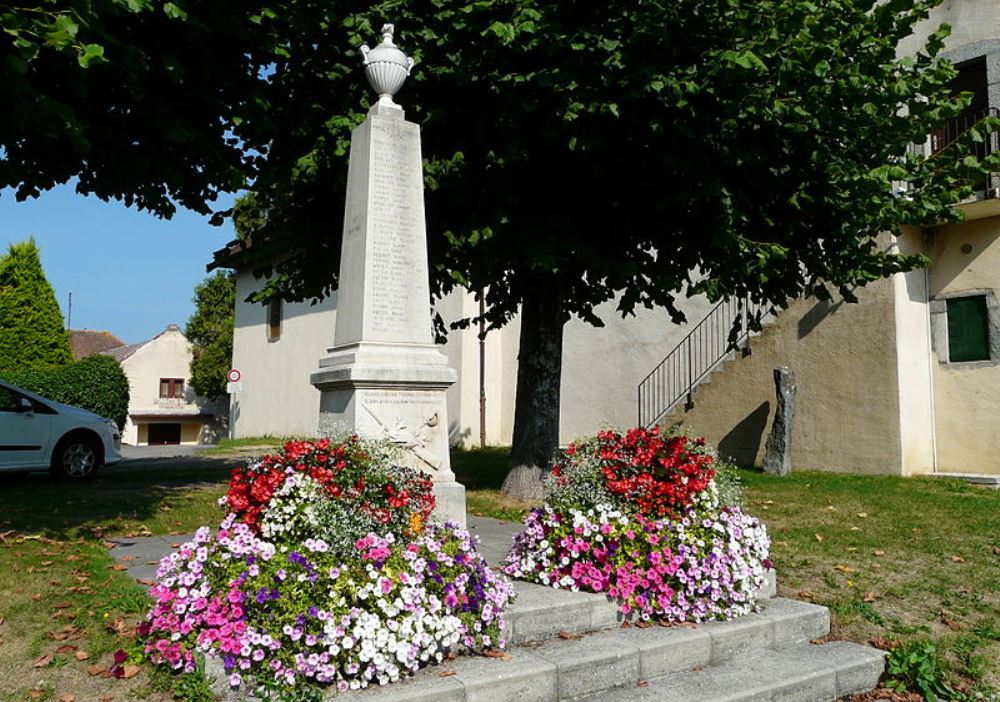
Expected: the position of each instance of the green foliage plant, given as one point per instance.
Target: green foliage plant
(96, 383)
(915, 666)
(210, 331)
(32, 334)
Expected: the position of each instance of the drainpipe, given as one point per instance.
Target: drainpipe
(482, 370)
(930, 356)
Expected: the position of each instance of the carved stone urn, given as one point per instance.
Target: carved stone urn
(386, 66)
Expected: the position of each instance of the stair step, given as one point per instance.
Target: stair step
(568, 669)
(541, 612)
(576, 666)
(799, 673)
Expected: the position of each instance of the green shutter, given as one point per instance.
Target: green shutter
(968, 329)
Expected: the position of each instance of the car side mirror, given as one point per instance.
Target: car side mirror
(24, 405)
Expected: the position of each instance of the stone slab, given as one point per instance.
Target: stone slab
(800, 673)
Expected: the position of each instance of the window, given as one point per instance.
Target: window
(9, 400)
(968, 329)
(274, 320)
(171, 387)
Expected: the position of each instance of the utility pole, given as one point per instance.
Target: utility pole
(69, 312)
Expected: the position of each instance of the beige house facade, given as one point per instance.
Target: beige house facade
(162, 407)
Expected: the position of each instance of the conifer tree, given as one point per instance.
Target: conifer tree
(32, 333)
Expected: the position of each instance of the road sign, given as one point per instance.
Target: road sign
(233, 388)
(234, 376)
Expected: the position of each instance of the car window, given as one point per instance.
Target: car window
(8, 400)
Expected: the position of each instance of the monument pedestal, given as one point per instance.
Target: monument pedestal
(384, 377)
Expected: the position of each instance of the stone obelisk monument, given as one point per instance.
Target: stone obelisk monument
(384, 376)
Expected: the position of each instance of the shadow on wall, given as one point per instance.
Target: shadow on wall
(812, 319)
(456, 436)
(742, 443)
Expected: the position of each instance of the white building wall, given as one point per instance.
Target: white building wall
(601, 367)
(168, 355)
(276, 397)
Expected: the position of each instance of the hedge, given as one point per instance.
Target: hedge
(96, 383)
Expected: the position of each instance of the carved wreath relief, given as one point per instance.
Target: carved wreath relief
(421, 442)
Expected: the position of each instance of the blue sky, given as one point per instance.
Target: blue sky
(130, 273)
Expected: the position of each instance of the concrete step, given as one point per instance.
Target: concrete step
(541, 613)
(799, 673)
(594, 664)
(576, 666)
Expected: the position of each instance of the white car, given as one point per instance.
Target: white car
(39, 434)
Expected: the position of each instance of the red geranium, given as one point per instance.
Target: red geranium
(659, 475)
(345, 470)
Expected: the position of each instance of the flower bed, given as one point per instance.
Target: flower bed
(641, 517)
(325, 572)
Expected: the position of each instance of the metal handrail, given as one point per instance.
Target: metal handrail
(695, 357)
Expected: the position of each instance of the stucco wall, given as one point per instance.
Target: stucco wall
(967, 395)
(603, 366)
(168, 355)
(843, 356)
(970, 20)
(276, 396)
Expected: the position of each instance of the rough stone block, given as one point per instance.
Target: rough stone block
(427, 686)
(524, 677)
(739, 637)
(664, 651)
(593, 663)
(796, 622)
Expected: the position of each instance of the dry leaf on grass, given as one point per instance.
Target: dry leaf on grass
(948, 622)
(878, 552)
(96, 669)
(819, 538)
(2, 621)
(957, 559)
(66, 648)
(806, 595)
(863, 515)
(130, 671)
(68, 697)
(72, 557)
(146, 581)
(36, 694)
(62, 605)
(869, 597)
(569, 636)
(844, 568)
(119, 567)
(36, 596)
(105, 698)
(446, 674)
(81, 655)
(42, 661)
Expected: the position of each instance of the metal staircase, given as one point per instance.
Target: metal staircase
(706, 346)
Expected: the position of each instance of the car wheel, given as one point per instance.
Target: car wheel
(76, 458)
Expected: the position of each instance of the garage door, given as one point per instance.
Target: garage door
(160, 434)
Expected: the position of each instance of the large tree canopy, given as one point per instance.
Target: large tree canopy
(139, 100)
(575, 152)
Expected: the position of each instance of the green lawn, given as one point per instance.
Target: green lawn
(902, 559)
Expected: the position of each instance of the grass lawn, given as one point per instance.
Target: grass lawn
(893, 559)
(64, 608)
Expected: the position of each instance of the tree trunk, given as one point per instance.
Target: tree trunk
(536, 409)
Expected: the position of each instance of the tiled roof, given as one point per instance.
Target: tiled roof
(87, 342)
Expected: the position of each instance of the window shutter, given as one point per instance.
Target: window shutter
(968, 329)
